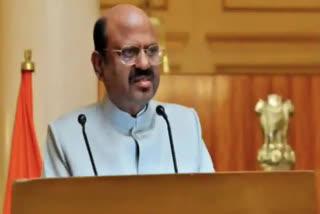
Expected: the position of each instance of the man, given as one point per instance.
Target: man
(125, 134)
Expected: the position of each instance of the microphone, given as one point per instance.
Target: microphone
(82, 120)
(161, 112)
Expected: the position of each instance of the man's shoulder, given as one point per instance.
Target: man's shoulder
(71, 118)
(183, 120)
(176, 110)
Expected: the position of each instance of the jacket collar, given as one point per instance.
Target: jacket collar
(126, 123)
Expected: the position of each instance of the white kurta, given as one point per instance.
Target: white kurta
(124, 145)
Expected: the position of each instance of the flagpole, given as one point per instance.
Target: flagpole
(25, 159)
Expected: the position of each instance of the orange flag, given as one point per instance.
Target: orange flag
(25, 160)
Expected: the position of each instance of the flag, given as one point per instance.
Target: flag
(25, 160)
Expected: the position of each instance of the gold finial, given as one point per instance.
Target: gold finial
(166, 68)
(27, 65)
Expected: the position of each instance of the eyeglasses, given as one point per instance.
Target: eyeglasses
(130, 54)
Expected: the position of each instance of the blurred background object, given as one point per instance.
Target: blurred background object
(275, 153)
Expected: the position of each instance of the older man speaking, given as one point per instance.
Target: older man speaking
(128, 132)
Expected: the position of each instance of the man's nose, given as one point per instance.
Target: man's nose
(142, 61)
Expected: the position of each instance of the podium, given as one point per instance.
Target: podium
(243, 192)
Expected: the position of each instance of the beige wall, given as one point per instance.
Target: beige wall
(60, 35)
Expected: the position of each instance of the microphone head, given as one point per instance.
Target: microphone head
(82, 119)
(160, 110)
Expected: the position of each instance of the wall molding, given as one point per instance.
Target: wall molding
(273, 5)
(267, 69)
(279, 37)
(265, 53)
(182, 37)
(229, 69)
(176, 40)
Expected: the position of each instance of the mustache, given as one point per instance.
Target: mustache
(137, 72)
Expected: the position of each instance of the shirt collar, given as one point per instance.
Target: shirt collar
(126, 123)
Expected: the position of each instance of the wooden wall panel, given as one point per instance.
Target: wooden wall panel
(231, 129)
(262, 49)
(315, 88)
(236, 32)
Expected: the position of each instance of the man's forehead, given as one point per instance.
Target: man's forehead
(125, 15)
(127, 23)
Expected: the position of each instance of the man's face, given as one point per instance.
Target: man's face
(131, 83)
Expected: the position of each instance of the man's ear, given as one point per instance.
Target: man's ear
(97, 62)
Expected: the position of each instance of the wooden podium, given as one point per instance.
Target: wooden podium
(239, 193)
